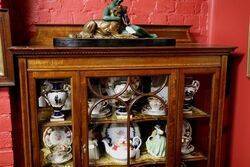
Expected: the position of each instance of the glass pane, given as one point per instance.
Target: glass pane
(54, 121)
(196, 114)
(134, 105)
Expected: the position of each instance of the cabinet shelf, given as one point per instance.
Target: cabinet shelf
(67, 122)
(144, 159)
(195, 156)
(136, 118)
(195, 113)
(44, 118)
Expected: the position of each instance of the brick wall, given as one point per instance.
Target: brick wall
(30, 12)
(175, 12)
(6, 154)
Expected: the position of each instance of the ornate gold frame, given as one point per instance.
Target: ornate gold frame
(6, 59)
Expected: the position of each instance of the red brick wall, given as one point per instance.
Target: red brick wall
(30, 12)
(191, 12)
(6, 154)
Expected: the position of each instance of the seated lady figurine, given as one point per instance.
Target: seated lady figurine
(156, 143)
(115, 24)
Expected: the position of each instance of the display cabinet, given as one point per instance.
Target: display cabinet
(122, 106)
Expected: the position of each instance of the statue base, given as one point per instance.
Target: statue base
(90, 42)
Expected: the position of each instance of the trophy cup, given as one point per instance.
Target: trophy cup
(55, 94)
(190, 91)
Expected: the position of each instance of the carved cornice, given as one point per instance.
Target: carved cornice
(121, 51)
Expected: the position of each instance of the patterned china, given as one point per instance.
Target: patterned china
(163, 93)
(189, 92)
(118, 150)
(53, 136)
(186, 147)
(55, 93)
(59, 158)
(100, 109)
(154, 107)
(115, 140)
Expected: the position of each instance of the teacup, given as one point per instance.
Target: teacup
(97, 109)
(155, 104)
(59, 152)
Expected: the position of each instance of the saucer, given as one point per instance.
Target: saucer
(146, 110)
(104, 113)
(52, 158)
(53, 136)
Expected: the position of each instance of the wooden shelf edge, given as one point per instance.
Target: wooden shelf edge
(195, 113)
(145, 159)
(140, 118)
(195, 156)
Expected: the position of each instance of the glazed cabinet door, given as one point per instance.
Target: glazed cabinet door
(198, 116)
(54, 118)
(128, 117)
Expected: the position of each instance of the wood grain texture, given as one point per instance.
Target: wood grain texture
(79, 64)
(221, 113)
(46, 32)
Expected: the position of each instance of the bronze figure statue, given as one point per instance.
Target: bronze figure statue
(115, 24)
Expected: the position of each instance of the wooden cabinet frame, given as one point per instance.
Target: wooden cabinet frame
(79, 64)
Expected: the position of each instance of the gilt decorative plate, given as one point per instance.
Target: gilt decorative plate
(53, 136)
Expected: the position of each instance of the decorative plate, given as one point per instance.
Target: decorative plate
(114, 131)
(53, 136)
(54, 160)
(148, 111)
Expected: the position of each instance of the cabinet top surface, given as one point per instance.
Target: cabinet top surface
(178, 49)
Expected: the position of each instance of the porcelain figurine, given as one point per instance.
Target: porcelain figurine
(118, 150)
(94, 153)
(156, 143)
(56, 96)
(186, 148)
(93, 150)
(189, 92)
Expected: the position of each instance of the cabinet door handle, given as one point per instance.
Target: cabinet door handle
(84, 149)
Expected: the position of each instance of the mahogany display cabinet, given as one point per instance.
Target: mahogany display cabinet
(87, 106)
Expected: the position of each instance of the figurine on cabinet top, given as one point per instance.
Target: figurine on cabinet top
(115, 24)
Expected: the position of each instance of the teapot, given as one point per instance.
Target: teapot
(156, 143)
(118, 150)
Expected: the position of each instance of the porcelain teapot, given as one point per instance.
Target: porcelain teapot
(119, 149)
